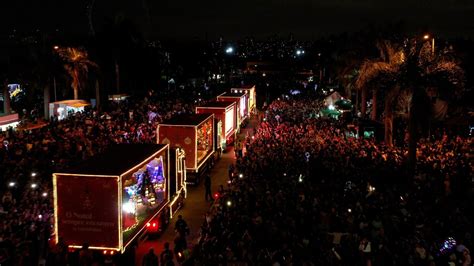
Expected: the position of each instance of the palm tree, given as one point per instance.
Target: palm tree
(410, 70)
(381, 73)
(422, 74)
(77, 65)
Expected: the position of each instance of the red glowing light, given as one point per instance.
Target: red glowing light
(154, 224)
(216, 195)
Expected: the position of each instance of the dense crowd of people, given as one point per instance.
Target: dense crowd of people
(310, 194)
(29, 157)
(304, 192)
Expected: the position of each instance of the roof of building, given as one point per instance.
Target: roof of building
(232, 94)
(116, 160)
(187, 119)
(217, 104)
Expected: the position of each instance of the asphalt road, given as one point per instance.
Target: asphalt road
(195, 206)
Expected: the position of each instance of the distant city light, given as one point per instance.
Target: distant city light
(426, 36)
(11, 184)
(349, 210)
(34, 185)
(229, 50)
(229, 203)
(40, 216)
(371, 188)
(33, 174)
(45, 194)
(241, 175)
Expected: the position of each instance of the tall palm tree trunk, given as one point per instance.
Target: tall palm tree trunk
(363, 101)
(374, 105)
(46, 99)
(413, 122)
(388, 115)
(76, 93)
(388, 120)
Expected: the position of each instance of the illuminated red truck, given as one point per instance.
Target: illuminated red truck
(225, 115)
(109, 200)
(242, 104)
(252, 95)
(194, 133)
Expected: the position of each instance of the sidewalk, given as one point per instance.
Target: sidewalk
(195, 206)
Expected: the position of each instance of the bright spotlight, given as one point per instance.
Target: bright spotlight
(128, 207)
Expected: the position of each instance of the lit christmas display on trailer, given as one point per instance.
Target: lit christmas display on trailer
(110, 199)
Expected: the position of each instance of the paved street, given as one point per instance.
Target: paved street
(195, 205)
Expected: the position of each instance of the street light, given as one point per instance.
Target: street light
(299, 52)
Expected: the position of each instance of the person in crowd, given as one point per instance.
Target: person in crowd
(85, 256)
(166, 256)
(150, 259)
(207, 186)
(181, 226)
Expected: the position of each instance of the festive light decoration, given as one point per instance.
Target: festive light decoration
(129, 207)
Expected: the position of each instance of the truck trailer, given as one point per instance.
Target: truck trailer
(111, 199)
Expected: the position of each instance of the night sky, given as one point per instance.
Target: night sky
(240, 18)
